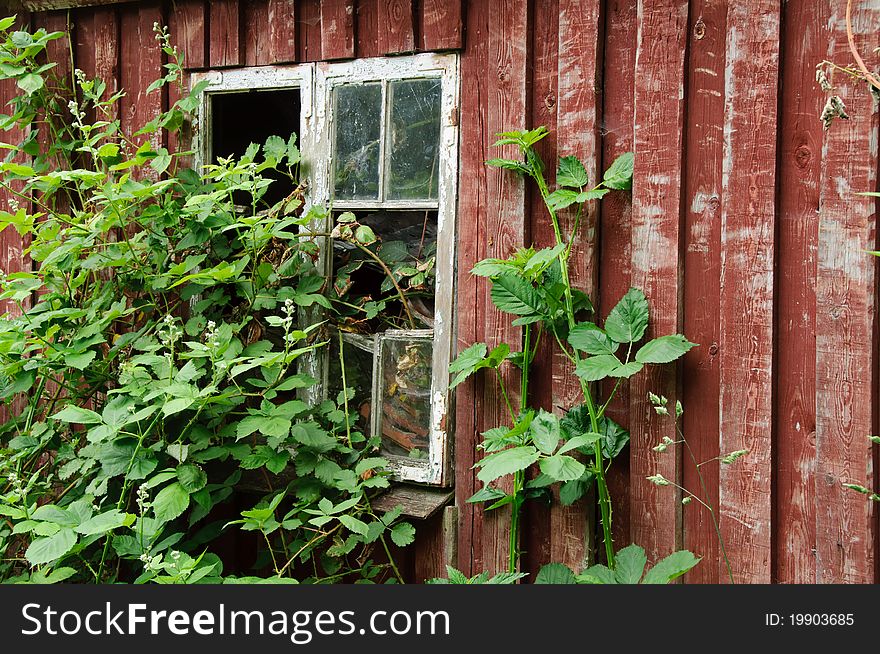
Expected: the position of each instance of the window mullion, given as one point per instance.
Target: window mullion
(384, 135)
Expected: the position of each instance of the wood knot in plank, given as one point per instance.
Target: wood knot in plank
(699, 29)
(802, 156)
(713, 349)
(550, 100)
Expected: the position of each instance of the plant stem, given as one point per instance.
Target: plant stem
(706, 504)
(344, 391)
(601, 482)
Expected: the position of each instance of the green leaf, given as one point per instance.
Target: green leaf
(170, 502)
(545, 431)
(191, 477)
(353, 524)
(629, 318)
(620, 173)
(80, 361)
(614, 437)
(664, 349)
(543, 258)
(605, 365)
(104, 522)
(555, 573)
(402, 534)
(571, 172)
(629, 564)
(589, 338)
(562, 467)
(275, 148)
(31, 83)
(466, 363)
(597, 574)
(571, 491)
(508, 164)
(177, 405)
(51, 548)
(506, 462)
(486, 494)
(671, 568)
(77, 415)
(562, 198)
(583, 440)
(515, 295)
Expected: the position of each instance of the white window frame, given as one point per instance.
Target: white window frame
(316, 81)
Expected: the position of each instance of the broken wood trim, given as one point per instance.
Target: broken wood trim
(419, 502)
(50, 5)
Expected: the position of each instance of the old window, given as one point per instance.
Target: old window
(379, 144)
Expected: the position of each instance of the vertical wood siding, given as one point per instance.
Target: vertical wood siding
(744, 228)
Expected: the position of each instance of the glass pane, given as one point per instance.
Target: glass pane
(358, 113)
(405, 387)
(358, 354)
(407, 245)
(414, 140)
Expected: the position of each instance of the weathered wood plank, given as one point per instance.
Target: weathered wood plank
(225, 47)
(395, 20)
(436, 545)
(337, 28)
(846, 321)
(747, 246)
(309, 37)
(702, 275)
(657, 207)
(545, 73)
(141, 64)
(805, 42)
(255, 33)
(615, 216)
(282, 31)
(578, 118)
(441, 26)
(505, 106)
(470, 290)
(187, 21)
(367, 28)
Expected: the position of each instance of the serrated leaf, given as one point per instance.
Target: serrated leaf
(664, 349)
(545, 431)
(51, 548)
(571, 172)
(583, 440)
(599, 367)
(588, 337)
(506, 462)
(353, 524)
(670, 568)
(170, 502)
(620, 173)
(80, 361)
(629, 564)
(513, 294)
(571, 491)
(562, 198)
(486, 494)
(191, 477)
(555, 573)
(403, 534)
(105, 522)
(508, 164)
(597, 574)
(629, 318)
(562, 467)
(77, 415)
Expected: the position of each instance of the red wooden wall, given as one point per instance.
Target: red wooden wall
(743, 227)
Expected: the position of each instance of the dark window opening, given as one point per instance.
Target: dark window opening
(244, 117)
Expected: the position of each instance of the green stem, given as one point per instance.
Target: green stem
(601, 482)
(344, 391)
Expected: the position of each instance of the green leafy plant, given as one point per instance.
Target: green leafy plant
(535, 287)
(459, 578)
(629, 568)
(154, 354)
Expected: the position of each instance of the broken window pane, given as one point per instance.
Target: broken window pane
(404, 391)
(406, 245)
(414, 140)
(358, 113)
(233, 130)
(358, 352)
